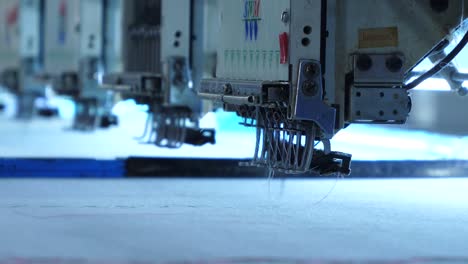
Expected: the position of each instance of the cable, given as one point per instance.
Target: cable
(440, 65)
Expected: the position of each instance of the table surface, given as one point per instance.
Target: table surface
(186, 219)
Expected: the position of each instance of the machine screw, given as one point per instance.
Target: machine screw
(364, 62)
(311, 70)
(285, 17)
(227, 88)
(394, 63)
(310, 88)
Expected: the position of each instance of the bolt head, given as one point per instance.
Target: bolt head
(394, 63)
(310, 88)
(285, 17)
(312, 70)
(364, 62)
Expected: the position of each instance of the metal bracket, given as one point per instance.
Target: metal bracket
(309, 104)
(139, 84)
(379, 105)
(67, 83)
(179, 72)
(86, 114)
(10, 79)
(237, 92)
(378, 69)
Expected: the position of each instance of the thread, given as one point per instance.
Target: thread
(462, 11)
(318, 202)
